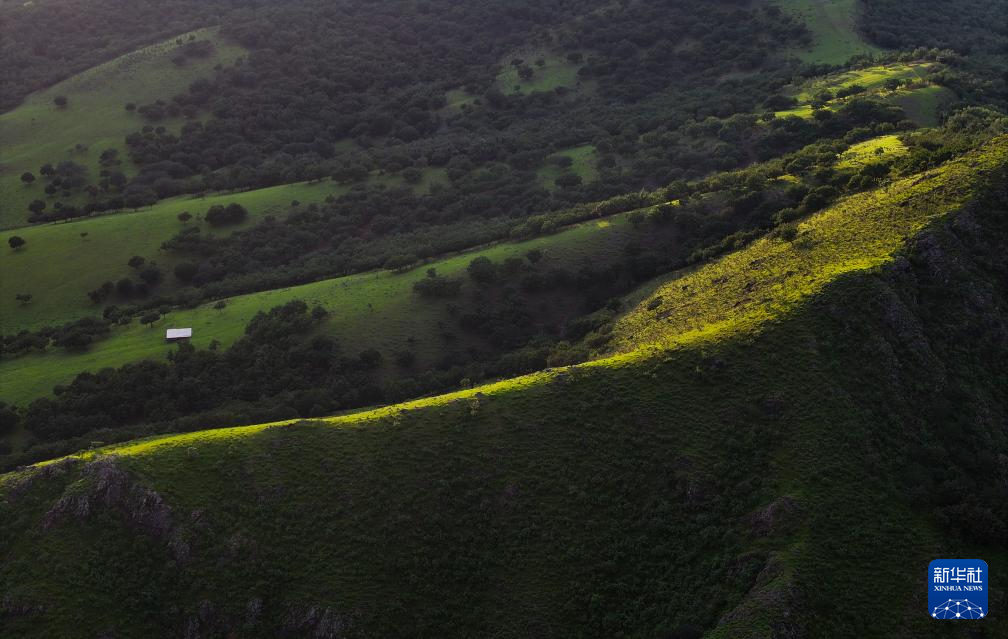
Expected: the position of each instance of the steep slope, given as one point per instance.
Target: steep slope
(774, 274)
(742, 483)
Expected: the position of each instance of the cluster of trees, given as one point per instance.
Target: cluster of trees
(277, 366)
(396, 227)
(966, 26)
(527, 313)
(657, 115)
(68, 178)
(73, 336)
(388, 96)
(149, 274)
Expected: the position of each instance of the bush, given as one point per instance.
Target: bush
(186, 271)
(219, 215)
(482, 270)
(438, 286)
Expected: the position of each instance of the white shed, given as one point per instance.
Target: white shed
(177, 334)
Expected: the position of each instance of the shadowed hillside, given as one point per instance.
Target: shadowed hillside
(744, 469)
(503, 319)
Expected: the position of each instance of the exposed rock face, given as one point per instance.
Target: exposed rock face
(317, 622)
(107, 486)
(778, 517)
(774, 592)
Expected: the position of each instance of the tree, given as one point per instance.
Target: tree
(150, 318)
(219, 215)
(568, 180)
(136, 261)
(151, 275)
(27, 177)
(319, 313)
(369, 359)
(186, 271)
(8, 418)
(99, 294)
(220, 305)
(482, 270)
(60, 101)
(401, 262)
(125, 287)
(24, 298)
(184, 216)
(37, 206)
(16, 242)
(534, 256)
(405, 359)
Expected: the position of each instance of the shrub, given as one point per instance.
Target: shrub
(438, 286)
(186, 271)
(482, 270)
(219, 215)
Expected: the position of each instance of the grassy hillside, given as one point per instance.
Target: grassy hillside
(58, 265)
(915, 93)
(38, 132)
(549, 72)
(371, 310)
(763, 470)
(833, 23)
(579, 161)
(768, 278)
(880, 149)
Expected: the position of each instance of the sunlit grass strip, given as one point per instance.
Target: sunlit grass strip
(733, 296)
(872, 79)
(878, 149)
(772, 275)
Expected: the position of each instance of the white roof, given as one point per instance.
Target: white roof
(176, 333)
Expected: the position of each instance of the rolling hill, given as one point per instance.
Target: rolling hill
(95, 118)
(736, 458)
(369, 310)
(663, 319)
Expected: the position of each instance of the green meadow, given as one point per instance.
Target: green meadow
(556, 72)
(757, 440)
(379, 310)
(370, 310)
(583, 164)
(921, 102)
(878, 149)
(872, 78)
(59, 265)
(834, 30)
(456, 99)
(38, 132)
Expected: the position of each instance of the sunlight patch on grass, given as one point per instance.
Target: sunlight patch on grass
(769, 277)
(737, 294)
(872, 151)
